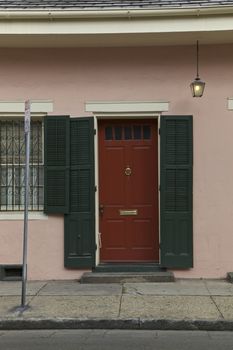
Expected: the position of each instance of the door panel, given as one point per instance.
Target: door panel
(112, 194)
(144, 172)
(128, 167)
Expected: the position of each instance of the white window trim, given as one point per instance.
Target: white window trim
(230, 103)
(16, 108)
(126, 109)
(19, 215)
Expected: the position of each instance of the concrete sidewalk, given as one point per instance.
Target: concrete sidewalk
(184, 304)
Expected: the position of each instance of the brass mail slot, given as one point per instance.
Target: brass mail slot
(128, 212)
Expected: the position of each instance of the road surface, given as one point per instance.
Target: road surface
(114, 340)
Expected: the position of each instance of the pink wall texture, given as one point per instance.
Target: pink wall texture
(70, 77)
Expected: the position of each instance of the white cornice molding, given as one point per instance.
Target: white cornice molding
(113, 13)
(18, 107)
(128, 108)
(115, 27)
(118, 26)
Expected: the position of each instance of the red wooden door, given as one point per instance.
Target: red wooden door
(128, 174)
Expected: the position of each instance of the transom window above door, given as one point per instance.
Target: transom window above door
(128, 132)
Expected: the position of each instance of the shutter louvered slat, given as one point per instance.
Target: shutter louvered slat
(56, 183)
(176, 191)
(80, 223)
(80, 196)
(56, 141)
(56, 151)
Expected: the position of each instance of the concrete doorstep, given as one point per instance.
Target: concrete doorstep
(127, 277)
(180, 305)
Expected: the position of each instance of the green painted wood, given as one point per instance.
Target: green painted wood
(176, 206)
(80, 222)
(56, 170)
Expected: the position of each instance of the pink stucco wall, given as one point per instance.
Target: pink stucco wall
(70, 77)
(45, 248)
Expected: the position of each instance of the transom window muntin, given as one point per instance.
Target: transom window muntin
(12, 165)
(128, 132)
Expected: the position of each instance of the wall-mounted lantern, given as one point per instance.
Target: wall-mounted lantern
(198, 85)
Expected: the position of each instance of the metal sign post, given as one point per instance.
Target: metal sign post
(27, 120)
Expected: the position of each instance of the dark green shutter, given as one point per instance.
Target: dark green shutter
(80, 222)
(56, 174)
(176, 191)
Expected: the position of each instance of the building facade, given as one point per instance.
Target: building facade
(126, 166)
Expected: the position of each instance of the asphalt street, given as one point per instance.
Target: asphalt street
(115, 340)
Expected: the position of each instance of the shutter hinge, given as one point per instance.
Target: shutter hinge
(95, 188)
(159, 187)
(159, 131)
(94, 131)
(95, 246)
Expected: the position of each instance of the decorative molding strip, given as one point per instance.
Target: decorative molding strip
(230, 103)
(19, 215)
(37, 106)
(138, 107)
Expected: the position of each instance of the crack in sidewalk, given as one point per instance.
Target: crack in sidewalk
(21, 312)
(20, 309)
(214, 302)
(216, 305)
(122, 292)
(37, 293)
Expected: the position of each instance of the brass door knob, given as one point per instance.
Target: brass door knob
(128, 171)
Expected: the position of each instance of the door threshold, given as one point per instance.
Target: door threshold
(129, 267)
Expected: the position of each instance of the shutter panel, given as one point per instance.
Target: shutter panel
(80, 222)
(176, 192)
(56, 175)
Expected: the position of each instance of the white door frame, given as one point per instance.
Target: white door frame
(116, 111)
